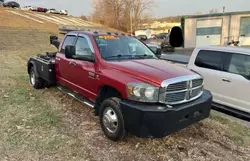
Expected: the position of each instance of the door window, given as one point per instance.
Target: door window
(82, 47)
(240, 64)
(210, 59)
(69, 40)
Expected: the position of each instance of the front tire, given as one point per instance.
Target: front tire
(35, 81)
(111, 119)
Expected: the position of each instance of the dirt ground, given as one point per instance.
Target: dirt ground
(8, 19)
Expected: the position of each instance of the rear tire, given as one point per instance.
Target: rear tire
(35, 81)
(111, 119)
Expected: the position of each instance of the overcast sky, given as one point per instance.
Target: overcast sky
(164, 7)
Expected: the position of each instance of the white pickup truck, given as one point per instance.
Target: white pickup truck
(226, 72)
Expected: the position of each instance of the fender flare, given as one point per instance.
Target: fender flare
(35, 67)
(100, 93)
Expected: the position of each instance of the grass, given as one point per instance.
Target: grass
(238, 133)
(23, 114)
(48, 125)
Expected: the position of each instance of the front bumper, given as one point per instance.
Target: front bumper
(157, 120)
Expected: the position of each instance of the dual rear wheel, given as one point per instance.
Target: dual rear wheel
(35, 81)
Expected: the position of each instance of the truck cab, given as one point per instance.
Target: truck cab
(129, 87)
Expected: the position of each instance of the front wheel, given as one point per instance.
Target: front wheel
(111, 119)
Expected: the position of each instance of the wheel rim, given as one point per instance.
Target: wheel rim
(32, 78)
(110, 120)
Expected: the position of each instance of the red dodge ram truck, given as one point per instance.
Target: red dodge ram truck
(127, 85)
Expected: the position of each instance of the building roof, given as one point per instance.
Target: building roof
(218, 14)
(233, 49)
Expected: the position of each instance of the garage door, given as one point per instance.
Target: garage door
(245, 31)
(208, 32)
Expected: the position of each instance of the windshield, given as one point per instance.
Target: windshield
(153, 48)
(118, 47)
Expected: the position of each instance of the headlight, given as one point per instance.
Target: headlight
(142, 92)
(149, 92)
(137, 91)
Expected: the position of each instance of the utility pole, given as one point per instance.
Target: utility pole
(132, 14)
(131, 20)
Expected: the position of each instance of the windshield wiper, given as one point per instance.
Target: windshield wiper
(119, 56)
(144, 56)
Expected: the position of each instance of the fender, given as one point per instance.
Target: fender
(32, 62)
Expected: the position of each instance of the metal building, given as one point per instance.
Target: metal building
(216, 29)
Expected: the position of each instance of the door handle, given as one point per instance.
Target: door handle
(72, 64)
(226, 80)
(91, 75)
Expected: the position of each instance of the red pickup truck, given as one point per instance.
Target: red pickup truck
(127, 85)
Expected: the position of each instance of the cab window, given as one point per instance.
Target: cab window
(82, 47)
(69, 40)
(210, 59)
(240, 64)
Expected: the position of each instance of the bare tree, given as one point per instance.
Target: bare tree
(119, 13)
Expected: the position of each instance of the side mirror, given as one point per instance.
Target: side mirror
(176, 37)
(54, 41)
(53, 38)
(157, 51)
(70, 51)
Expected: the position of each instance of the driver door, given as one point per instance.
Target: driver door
(62, 65)
(83, 71)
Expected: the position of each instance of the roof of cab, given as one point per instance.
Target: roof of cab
(234, 49)
(96, 33)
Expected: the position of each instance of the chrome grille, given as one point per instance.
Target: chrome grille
(175, 97)
(197, 82)
(196, 91)
(177, 86)
(182, 89)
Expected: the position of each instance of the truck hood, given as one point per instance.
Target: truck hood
(150, 70)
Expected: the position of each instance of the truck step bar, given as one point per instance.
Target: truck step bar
(76, 96)
(231, 112)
